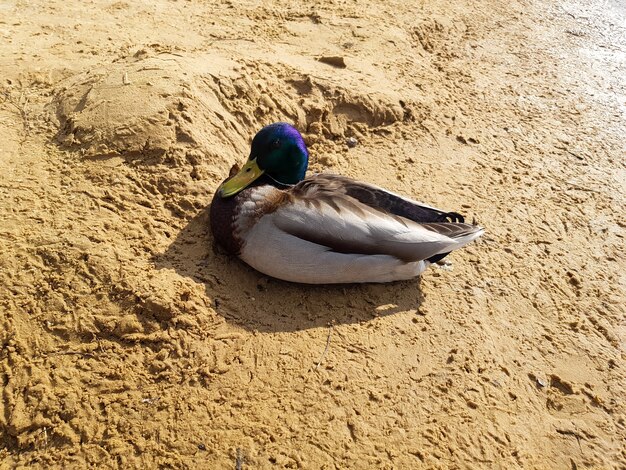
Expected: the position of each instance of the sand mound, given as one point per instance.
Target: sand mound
(152, 104)
(143, 106)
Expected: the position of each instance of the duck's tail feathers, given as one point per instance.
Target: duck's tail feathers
(461, 233)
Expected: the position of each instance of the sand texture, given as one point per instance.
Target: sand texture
(130, 341)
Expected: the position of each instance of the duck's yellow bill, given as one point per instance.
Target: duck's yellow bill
(241, 180)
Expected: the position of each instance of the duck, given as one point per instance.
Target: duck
(325, 228)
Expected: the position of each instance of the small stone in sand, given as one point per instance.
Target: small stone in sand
(335, 61)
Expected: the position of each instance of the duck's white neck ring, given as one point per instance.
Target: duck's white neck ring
(286, 185)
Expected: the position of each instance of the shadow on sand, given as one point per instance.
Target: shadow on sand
(248, 298)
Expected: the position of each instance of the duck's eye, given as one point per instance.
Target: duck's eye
(275, 144)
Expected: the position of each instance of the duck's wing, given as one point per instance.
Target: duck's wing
(378, 198)
(323, 210)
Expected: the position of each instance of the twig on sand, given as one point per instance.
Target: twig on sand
(239, 459)
(330, 332)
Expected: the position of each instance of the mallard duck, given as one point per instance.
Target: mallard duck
(325, 229)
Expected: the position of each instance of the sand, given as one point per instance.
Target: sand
(130, 341)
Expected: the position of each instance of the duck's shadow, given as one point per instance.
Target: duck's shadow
(248, 298)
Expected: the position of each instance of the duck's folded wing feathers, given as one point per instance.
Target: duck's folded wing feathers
(376, 197)
(345, 225)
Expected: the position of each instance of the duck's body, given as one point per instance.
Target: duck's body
(327, 228)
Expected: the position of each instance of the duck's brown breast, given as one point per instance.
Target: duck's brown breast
(222, 217)
(233, 217)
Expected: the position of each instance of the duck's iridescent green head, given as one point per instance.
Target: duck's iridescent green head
(279, 152)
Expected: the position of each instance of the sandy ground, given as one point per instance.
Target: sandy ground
(129, 341)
